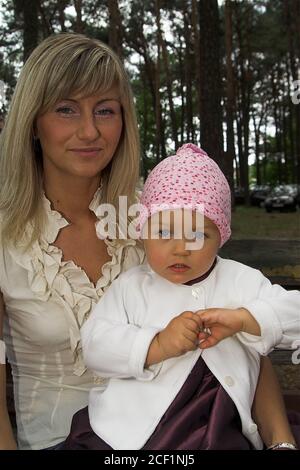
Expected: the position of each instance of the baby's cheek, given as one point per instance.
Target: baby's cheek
(155, 259)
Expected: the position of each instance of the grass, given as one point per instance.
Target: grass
(255, 222)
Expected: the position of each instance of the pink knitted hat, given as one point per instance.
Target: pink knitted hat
(186, 180)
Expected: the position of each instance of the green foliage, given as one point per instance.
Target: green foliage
(265, 34)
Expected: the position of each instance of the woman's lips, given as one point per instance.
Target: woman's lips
(87, 152)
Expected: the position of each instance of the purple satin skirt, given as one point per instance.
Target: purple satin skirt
(202, 416)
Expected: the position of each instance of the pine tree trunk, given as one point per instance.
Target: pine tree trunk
(168, 75)
(181, 85)
(230, 152)
(61, 11)
(211, 112)
(257, 165)
(144, 136)
(294, 45)
(243, 63)
(31, 27)
(115, 35)
(196, 33)
(275, 80)
(159, 144)
(188, 67)
(79, 25)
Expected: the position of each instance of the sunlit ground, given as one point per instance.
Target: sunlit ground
(254, 222)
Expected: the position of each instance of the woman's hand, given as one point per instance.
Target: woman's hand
(224, 322)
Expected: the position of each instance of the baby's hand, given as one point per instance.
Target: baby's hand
(224, 322)
(180, 335)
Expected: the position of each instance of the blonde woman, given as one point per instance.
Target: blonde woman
(70, 142)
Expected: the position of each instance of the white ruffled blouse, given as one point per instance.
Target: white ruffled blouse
(47, 300)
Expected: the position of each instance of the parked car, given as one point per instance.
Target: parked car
(284, 197)
(258, 194)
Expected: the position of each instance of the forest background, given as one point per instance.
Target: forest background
(221, 74)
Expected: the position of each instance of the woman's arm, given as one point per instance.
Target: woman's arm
(7, 441)
(268, 408)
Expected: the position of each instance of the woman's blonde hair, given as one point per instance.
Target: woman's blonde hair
(61, 65)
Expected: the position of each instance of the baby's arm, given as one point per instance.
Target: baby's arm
(268, 408)
(179, 337)
(224, 322)
(268, 315)
(276, 310)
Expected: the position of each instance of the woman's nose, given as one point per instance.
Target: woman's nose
(88, 129)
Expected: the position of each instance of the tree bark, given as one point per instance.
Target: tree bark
(230, 94)
(276, 110)
(188, 67)
(293, 25)
(211, 132)
(196, 33)
(115, 35)
(181, 85)
(168, 75)
(31, 27)
(159, 140)
(244, 83)
(61, 12)
(79, 25)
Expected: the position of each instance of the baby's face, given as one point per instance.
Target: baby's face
(180, 259)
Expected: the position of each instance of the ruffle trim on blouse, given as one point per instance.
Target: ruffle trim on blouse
(49, 275)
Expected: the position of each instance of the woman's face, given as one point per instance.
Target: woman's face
(79, 136)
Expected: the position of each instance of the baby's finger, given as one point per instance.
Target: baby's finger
(196, 318)
(193, 323)
(203, 335)
(209, 317)
(208, 342)
(191, 335)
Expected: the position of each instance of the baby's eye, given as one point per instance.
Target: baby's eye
(164, 233)
(197, 235)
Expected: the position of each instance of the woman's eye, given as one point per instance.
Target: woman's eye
(65, 110)
(106, 113)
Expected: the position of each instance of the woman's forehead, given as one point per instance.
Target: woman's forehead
(83, 93)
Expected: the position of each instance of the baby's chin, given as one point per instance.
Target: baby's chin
(178, 278)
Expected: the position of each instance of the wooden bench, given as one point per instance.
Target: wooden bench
(279, 260)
